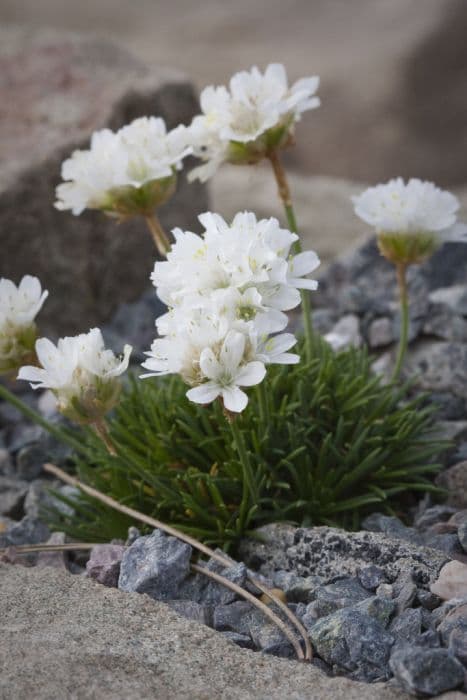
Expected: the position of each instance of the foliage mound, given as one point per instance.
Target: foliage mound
(326, 443)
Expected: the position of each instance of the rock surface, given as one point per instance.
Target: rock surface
(329, 552)
(56, 89)
(65, 636)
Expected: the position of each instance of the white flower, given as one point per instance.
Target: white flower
(410, 208)
(118, 164)
(226, 372)
(19, 305)
(81, 373)
(247, 254)
(257, 112)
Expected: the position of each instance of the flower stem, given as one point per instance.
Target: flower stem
(285, 196)
(94, 493)
(102, 430)
(250, 493)
(59, 433)
(401, 270)
(158, 234)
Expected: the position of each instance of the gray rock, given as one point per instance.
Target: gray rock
(429, 639)
(426, 671)
(267, 637)
(454, 480)
(407, 626)
(104, 563)
(133, 534)
(389, 525)
(345, 333)
(438, 366)
(381, 609)
(330, 552)
(371, 577)
(448, 406)
(381, 332)
(26, 531)
(204, 590)
(458, 643)
(405, 591)
(297, 588)
(6, 465)
(435, 514)
(455, 620)
(133, 323)
(233, 617)
(385, 590)
(191, 610)
(353, 642)
(241, 640)
(155, 564)
(453, 298)
(12, 495)
(96, 84)
(66, 633)
(427, 599)
(462, 535)
(40, 498)
(58, 560)
(341, 594)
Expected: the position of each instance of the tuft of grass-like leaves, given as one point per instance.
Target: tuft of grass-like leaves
(327, 443)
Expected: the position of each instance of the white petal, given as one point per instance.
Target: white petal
(232, 351)
(304, 263)
(251, 374)
(209, 364)
(235, 399)
(205, 393)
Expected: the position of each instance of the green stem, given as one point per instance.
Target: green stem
(250, 495)
(36, 417)
(285, 196)
(158, 234)
(404, 327)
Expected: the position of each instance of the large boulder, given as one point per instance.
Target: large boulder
(65, 636)
(55, 90)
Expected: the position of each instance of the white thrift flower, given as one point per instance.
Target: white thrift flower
(81, 373)
(227, 371)
(247, 254)
(128, 172)
(411, 219)
(254, 116)
(19, 306)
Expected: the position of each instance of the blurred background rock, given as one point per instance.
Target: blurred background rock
(394, 102)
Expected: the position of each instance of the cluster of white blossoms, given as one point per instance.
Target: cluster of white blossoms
(127, 172)
(19, 306)
(416, 213)
(81, 373)
(254, 115)
(227, 291)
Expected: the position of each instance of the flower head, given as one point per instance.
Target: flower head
(411, 219)
(246, 254)
(124, 173)
(226, 291)
(19, 306)
(81, 373)
(256, 114)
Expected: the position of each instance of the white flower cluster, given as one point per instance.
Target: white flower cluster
(81, 373)
(19, 306)
(118, 163)
(227, 291)
(410, 208)
(256, 113)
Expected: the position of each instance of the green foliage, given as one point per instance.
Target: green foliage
(322, 443)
